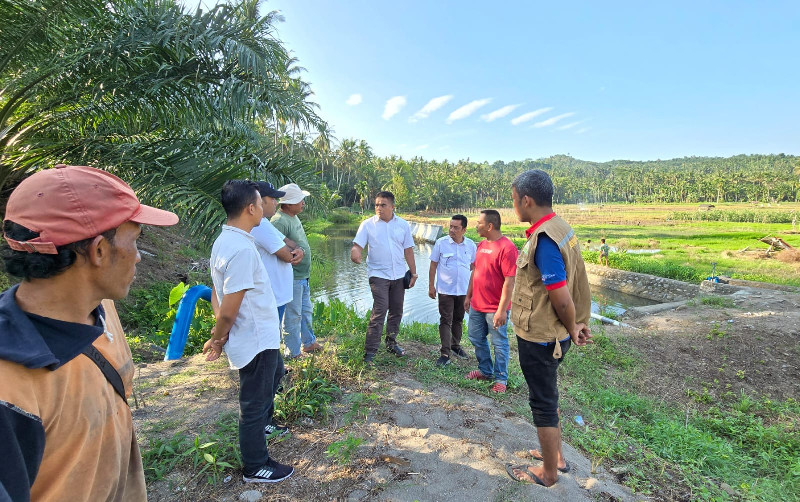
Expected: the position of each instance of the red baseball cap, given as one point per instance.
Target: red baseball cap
(72, 203)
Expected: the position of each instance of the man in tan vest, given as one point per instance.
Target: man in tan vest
(550, 309)
(65, 427)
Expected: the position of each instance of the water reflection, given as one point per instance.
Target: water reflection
(349, 282)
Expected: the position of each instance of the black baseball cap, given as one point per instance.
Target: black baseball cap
(266, 189)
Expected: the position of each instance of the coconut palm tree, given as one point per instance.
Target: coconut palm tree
(166, 98)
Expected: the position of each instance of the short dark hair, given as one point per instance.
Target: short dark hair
(537, 185)
(603, 240)
(385, 195)
(461, 218)
(237, 195)
(38, 265)
(493, 217)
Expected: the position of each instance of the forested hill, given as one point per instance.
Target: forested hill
(352, 175)
(689, 179)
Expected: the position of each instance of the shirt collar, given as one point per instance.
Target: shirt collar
(377, 218)
(238, 231)
(538, 224)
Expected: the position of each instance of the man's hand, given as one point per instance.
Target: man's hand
(582, 335)
(297, 255)
(413, 281)
(467, 301)
(500, 318)
(355, 254)
(213, 346)
(432, 291)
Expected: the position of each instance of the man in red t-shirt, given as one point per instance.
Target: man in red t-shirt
(489, 299)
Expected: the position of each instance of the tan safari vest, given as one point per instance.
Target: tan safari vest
(532, 314)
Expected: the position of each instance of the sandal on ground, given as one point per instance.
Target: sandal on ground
(564, 469)
(536, 479)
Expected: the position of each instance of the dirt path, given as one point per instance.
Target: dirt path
(451, 444)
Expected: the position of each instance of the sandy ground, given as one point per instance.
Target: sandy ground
(418, 444)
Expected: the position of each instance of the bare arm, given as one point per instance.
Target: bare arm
(501, 316)
(432, 279)
(355, 253)
(214, 301)
(468, 298)
(412, 265)
(226, 315)
(562, 303)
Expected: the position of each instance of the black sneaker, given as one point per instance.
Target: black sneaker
(460, 353)
(396, 350)
(442, 362)
(369, 359)
(271, 472)
(275, 431)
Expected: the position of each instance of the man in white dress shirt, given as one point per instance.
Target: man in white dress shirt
(390, 249)
(452, 261)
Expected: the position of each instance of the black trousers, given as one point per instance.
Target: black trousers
(451, 322)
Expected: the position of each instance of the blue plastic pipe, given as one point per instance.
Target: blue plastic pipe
(183, 320)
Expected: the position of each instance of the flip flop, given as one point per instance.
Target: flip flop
(565, 469)
(510, 470)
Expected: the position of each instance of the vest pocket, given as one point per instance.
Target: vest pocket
(521, 308)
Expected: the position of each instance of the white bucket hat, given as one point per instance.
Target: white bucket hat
(293, 194)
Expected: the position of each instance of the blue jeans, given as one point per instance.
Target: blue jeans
(258, 382)
(478, 329)
(297, 319)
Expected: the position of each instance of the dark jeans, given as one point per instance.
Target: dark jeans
(451, 322)
(386, 295)
(540, 369)
(258, 382)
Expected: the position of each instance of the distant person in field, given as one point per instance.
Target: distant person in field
(550, 309)
(452, 260)
(297, 321)
(247, 327)
(604, 249)
(66, 431)
(390, 250)
(488, 300)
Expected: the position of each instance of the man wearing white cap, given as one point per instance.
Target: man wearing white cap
(297, 316)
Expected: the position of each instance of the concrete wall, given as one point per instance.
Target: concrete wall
(425, 231)
(651, 287)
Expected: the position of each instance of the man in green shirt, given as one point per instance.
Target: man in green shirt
(297, 316)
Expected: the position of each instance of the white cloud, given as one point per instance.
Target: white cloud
(581, 131)
(354, 99)
(430, 107)
(467, 110)
(499, 113)
(445, 147)
(393, 105)
(421, 147)
(570, 125)
(528, 116)
(553, 120)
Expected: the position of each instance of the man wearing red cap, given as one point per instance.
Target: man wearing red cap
(65, 426)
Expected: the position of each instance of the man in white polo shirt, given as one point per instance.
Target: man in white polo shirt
(390, 249)
(452, 261)
(247, 327)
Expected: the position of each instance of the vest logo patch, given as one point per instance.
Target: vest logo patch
(573, 241)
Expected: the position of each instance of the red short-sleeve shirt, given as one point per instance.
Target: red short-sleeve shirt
(494, 262)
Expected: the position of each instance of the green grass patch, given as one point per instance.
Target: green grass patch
(209, 454)
(752, 445)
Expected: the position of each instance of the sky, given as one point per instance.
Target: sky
(510, 80)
